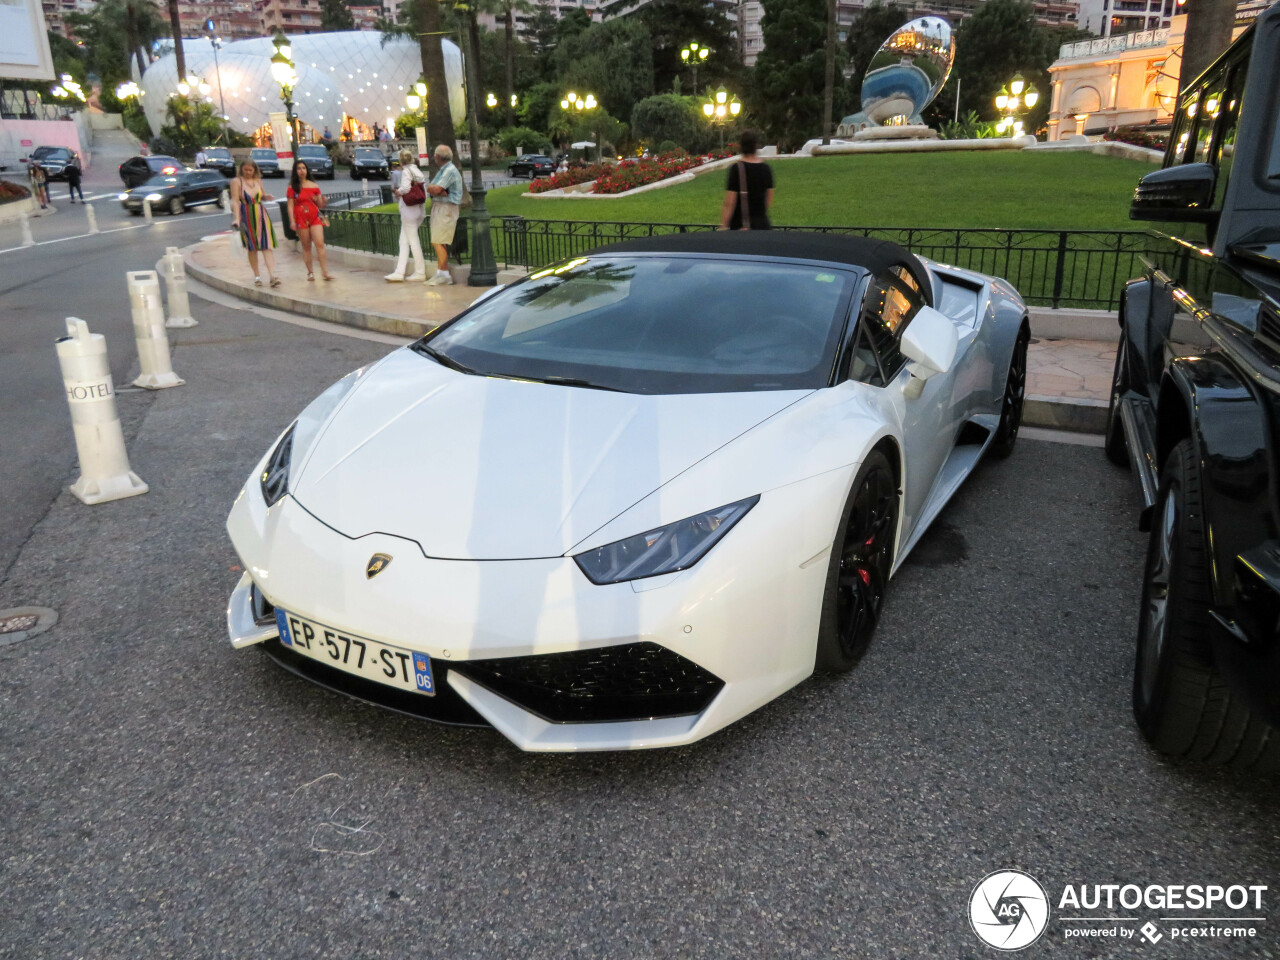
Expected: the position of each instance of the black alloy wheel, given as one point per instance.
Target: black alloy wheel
(1114, 445)
(1015, 395)
(1182, 705)
(858, 572)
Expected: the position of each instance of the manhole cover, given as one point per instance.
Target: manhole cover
(19, 623)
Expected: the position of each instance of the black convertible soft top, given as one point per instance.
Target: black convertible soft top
(877, 256)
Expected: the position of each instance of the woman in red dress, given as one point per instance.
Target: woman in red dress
(305, 203)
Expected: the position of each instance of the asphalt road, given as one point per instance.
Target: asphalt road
(166, 796)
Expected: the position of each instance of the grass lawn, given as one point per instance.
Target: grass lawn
(1009, 189)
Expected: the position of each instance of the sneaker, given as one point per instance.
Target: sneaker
(394, 278)
(440, 278)
(416, 277)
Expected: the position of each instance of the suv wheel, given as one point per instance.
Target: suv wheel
(1181, 703)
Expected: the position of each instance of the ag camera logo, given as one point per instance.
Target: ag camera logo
(1008, 910)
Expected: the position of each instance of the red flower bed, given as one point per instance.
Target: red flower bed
(1138, 138)
(12, 191)
(570, 177)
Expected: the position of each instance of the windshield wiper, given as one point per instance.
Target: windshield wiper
(443, 359)
(572, 382)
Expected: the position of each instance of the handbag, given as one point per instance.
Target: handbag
(743, 206)
(416, 195)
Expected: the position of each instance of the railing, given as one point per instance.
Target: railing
(1055, 268)
(353, 200)
(1105, 45)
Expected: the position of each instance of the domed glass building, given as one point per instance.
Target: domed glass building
(347, 81)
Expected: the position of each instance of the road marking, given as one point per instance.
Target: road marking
(1062, 436)
(102, 233)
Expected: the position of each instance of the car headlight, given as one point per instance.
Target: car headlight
(122, 196)
(152, 197)
(297, 440)
(676, 546)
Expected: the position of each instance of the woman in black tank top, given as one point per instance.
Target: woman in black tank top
(758, 189)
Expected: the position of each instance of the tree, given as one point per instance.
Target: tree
(420, 19)
(334, 15)
(787, 82)
(613, 60)
(665, 117)
(869, 31)
(175, 25)
(674, 23)
(1209, 24)
(1002, 39)
(116, 31)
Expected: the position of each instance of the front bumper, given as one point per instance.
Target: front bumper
(550, 660)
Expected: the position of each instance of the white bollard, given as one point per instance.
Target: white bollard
(86, 374)
(27, 239)
(225, 202)
(174, 271)
(146, 211)
(93, 218)
(148, 329)
(364, 184)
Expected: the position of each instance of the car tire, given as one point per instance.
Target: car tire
(1114, 444)
(1015, 394)
(1182, 705)
(176, 206)
(858, 571)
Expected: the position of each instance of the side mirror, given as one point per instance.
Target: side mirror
(929, 342)
(1182, 193)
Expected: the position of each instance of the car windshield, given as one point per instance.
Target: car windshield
(50, 153)
(262, 153)
(160, 180)
(217, 153)
(312, 152)
(368, 153)
(657, 325)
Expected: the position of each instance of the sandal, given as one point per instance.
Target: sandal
(310, 276)
(328, 277)
(275, 281)
(257, 281)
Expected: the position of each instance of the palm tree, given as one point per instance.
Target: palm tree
(175, 22)
(117, 31)
(420, 20)
(508, 9)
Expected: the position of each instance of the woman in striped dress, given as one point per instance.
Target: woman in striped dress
(249, 216)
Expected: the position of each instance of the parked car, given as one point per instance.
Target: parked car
(54, 161)
(176, 192)
(531, 165)
(267, 161)
(670, 479)
(369, 162)
(220, 159)
(1194, 407)
(138, 170)
(319, 163)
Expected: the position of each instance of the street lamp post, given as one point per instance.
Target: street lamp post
(580, 105)
(484, 267)
(693, 54)
(1013, 99)
(216, 42)
(283, 72)
(720, 108)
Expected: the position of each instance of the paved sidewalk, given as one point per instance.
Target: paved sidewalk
(1068, 381)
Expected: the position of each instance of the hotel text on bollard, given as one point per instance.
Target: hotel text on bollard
(93, 218)
(174, 271)
(148, 330)
(86, 375)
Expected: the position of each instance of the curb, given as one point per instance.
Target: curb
(364, 320)
(1065, 413)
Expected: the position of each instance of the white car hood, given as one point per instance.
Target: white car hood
(483, 468)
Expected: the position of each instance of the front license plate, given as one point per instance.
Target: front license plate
(379, 662)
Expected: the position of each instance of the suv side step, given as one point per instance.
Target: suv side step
(1142, 452)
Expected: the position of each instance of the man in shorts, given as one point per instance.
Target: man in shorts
(446, 200)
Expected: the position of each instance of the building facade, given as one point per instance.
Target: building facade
(292, 16)
(232, 19)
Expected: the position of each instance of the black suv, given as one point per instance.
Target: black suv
(532, 165)
(369, 162)
(138, 170)
(1195, 407)
(268, 163)
(54, 161)
(319, 163)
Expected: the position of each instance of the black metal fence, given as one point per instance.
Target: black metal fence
(1055, 268)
